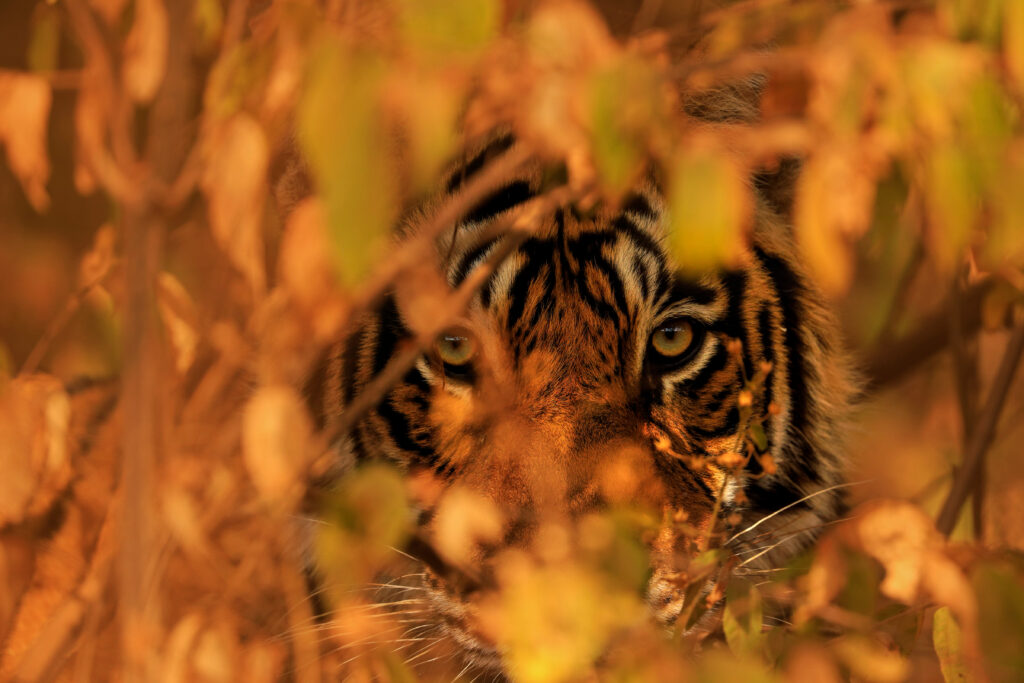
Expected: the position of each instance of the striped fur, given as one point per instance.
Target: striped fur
(563, 387)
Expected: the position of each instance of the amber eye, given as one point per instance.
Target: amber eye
(674, 341)
(455, 348)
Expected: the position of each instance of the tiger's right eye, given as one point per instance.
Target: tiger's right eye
(674, 342)
(456, 349)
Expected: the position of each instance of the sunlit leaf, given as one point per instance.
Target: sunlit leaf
(145, 50)
(177, 310)
(951, 203)
(708, 209)
(949, 646)
(870, 660)
(235, 185)
(341, 133)
(208, 17)
(276, 443)
(24, 116)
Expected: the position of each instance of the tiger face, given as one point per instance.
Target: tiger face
(589, 371)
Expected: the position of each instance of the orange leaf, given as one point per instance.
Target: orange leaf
(235, 185)
(24, 114)
(145, 50)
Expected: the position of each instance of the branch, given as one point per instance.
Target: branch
(891, 361)
(982, 435)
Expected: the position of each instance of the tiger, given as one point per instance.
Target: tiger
(588, 349)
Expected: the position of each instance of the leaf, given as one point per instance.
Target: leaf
(276, 443)
(1000, 590)
(708, 208)
(742, 619)
(341, 133)
(951, 203)
(34, 416)
(306, 270)
(463, 520)
(44, 39)
(235, 181)
(949, 646)
(179, 317)
(448, 28)
(145, 50)
(110, 10)
(1013, 42)
(24, 115)
(870, 660)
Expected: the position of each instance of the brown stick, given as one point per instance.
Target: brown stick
(891, 361)
(983, 434)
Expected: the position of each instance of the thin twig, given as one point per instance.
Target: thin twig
(967, 476)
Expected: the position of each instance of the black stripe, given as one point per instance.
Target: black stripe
(469, 258)
(499, 201)
(473, 166)
(727, 428)
(788, 286)
(626, 227)
(638, 204)
(733, 325)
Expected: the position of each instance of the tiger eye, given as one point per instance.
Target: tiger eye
(455, 347)
(673, 339)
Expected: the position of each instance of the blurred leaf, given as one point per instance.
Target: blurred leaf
(949, 646)
(1013, 42)
(624, 101)
(742, 619)
(277, 443)
(341, 133)
(366, 518)
(719, 666)
(145, 50)
(235, 181)
(448, 28)
(178, 312)
(465, 519)
(758, 436)
(208, 18)
(951, 203)
(24, 117)
(870, 660)
(44, 39)
(1000, 591)
(707, 208)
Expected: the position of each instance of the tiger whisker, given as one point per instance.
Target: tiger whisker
(809, 496)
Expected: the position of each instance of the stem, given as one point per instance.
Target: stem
(967, 476)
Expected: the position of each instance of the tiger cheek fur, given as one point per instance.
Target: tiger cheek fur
(568, 405)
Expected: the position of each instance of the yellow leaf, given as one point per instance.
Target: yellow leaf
(24, 115)
(951, 203)
(179, 317)
(44, 41)
(448, 27)
(708, 208)
(235, 181)
(463, 520)
(1013, 41)
(871, 661)
(98, 260)
(276, 443)
(949, 646)
(342, 135)
(34, 417)
(145, 50)
(306, 270)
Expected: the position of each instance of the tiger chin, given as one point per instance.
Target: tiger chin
(589, 370)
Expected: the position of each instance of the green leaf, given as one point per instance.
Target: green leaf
(448, 28)
(759, 437)
(1000, 592)
(949, 646)
(707, 207)
(341, 133)
(742, 619)
(208, 18)
(952, 204)
(44, 40)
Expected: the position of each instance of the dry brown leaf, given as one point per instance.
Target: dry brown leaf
(235, 185)
(276, 436)
(24, 115)
(34, 416)
(464, 519)
(145, 50)
(178, 313)
(306, 269)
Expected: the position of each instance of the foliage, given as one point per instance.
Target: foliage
(154, 129)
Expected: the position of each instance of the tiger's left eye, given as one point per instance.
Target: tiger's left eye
(456, 348)
(674, 341)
